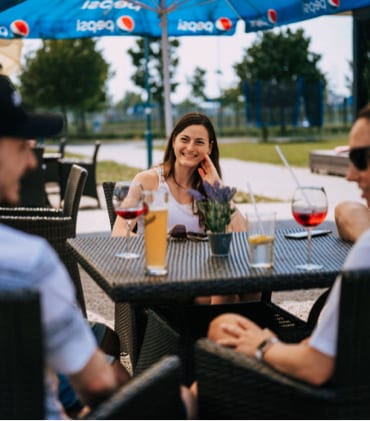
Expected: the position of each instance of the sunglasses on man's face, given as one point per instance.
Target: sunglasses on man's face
(179, 233)
(360, 157)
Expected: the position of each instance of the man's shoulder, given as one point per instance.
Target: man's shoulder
(358, 257)
(20, 251)
(9, 235)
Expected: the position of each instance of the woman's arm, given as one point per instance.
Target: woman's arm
(238, 222)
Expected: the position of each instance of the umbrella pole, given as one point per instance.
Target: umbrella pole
(148, 109)
(166, 75)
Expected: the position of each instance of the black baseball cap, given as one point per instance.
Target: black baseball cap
(15, 121)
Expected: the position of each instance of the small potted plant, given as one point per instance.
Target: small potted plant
(217, 209)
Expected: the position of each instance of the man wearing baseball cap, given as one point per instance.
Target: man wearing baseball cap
(27, 261)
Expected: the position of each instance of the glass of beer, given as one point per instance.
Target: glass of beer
(155, 231)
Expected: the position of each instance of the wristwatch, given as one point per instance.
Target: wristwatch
(264, 346)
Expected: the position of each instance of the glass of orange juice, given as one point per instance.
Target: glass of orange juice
(155, 231)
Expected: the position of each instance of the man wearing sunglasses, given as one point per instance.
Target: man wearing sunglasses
(353, 218)
(313, 359)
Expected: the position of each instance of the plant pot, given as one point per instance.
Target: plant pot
(219, 243)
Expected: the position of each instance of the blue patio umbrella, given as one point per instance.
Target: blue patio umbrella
(61, 19)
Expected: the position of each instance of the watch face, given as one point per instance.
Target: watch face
(259, 355)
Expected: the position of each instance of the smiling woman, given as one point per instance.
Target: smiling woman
(191, 157)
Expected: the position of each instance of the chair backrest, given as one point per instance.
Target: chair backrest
(62, 146)
(96, 150)
(21, 356)
(154, 394)
(108, 187)
(74, 188)
(233, 385)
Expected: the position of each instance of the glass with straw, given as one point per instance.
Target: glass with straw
(261, 235)
(309, 209)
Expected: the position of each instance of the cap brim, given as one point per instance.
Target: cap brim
(40, 125)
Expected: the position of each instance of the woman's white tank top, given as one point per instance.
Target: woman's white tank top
(178, 213)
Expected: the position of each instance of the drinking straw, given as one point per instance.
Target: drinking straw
(280, 152)
(255, 207)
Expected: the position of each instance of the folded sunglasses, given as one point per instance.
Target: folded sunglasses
(179, 233)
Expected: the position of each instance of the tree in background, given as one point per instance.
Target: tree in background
(155, 67)
(280, 57)
(197, 85)
(366, 67)
(231, 98)
(69, 75)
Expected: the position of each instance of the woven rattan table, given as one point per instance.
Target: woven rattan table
(193, 272)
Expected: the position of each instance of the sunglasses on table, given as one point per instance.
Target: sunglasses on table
(360, 157)
(179, 233)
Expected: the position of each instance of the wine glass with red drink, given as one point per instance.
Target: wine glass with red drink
(128, 204)
(309, 208)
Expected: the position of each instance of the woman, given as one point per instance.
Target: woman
(191, 156)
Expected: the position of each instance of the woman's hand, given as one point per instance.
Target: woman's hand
(208, 171)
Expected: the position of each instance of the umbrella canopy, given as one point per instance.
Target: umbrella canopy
(61, 19)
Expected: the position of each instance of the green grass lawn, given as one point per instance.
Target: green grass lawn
(296, 153)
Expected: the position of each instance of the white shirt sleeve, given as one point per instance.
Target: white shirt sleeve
(324, 336)
(69, 339)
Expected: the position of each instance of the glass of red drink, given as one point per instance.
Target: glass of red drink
(309, 209)
(128, 204)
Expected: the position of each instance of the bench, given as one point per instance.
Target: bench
(329, 162)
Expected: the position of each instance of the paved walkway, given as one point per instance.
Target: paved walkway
(273, 181)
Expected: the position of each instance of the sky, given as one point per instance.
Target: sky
(331, 36)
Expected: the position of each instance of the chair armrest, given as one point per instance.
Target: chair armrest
(153, 394)
(28, 211)
(55, 229)
(233, 385)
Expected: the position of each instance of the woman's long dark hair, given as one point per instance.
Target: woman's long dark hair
(170, 158)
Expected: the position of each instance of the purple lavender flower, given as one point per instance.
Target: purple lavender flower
(215, 206)
(196, 194)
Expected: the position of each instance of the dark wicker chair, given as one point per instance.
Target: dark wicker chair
(108, 187)
(158, 340)
(65, 166)
(155, 394)
(233, 386)
(152, 395)
(183, 325)
(21, 356)
(56, 225)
